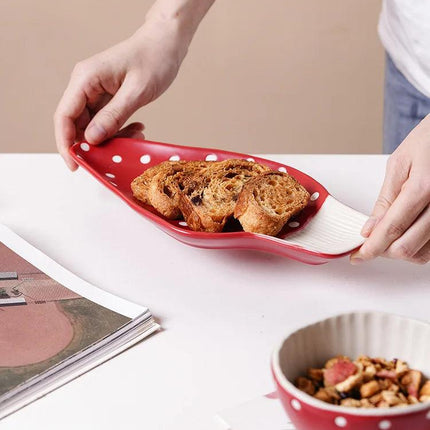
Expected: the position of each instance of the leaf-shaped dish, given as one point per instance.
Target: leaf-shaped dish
(324, 230)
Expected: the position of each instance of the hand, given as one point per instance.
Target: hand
(399, 226)
(106, 89)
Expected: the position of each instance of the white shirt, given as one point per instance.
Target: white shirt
(404, 29)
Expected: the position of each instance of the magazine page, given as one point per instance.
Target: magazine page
(46, 326)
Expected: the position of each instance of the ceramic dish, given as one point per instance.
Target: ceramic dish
(371, 333)
(324, 230)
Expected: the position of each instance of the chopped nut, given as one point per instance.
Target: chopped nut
(369, 372)
(390, 398)
(328, 395)
(315, 374)
(375, 399)
(412, 381)
(425, 389)
(412, 400)
(382, 404)
(369, 389)
(401, 367)
(402, 397)
(378, 360)
(351, 403)
(366, 383)
(305, 385)
(365, 403)
(394, 388)
(364, 359)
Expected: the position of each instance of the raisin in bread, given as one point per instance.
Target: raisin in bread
(268, 201)
(209, 196)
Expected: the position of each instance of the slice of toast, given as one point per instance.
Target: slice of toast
(268, 201)
(165, 187)
(140, 185)
(209, 196)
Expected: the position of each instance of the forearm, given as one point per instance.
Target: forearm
(176, 19)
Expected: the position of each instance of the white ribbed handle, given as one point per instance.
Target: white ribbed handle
(335, 229)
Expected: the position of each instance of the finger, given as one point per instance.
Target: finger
(81, 124)
(133, 131)
(399, 217)
(110, 119)
(396, 175)
(408, 245)
(69, 109)
(422, 256)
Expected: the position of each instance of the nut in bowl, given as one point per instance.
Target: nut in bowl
(371, 334)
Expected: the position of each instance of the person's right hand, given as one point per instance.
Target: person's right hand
(106, 89)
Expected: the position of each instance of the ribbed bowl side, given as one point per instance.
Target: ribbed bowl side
(370, 333)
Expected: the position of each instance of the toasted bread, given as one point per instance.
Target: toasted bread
(165, 187)
(209, 196)
(140, 185)
(268, 201)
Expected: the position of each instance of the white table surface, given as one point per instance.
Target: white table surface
(222, 311)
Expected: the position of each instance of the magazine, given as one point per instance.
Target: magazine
(55, 326)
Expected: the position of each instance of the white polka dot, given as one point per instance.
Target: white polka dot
(282, 169)
(384, 425)
(211, 157)
(314, 196)
(340, 421)
(294, 224)
(183, 223)
(175, 158)
(145, 159)
(296, 404)
(110, 175)
(117, 158)
(85, 147)
(250, 159)
(113, 183)
(428, 415)
(79, 157)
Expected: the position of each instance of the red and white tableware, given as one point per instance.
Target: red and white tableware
(324, 230)
(371, 333)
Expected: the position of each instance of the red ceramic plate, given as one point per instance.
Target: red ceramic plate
(324, 230)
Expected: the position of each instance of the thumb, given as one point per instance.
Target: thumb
(395, 176)
(110, 119)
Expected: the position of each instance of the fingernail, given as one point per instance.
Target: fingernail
(368, 226)
(95, 133)
(356, 261)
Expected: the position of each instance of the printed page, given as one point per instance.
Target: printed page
(43, 322)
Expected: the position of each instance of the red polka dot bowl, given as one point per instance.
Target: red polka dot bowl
(324, 230)
(372, 333)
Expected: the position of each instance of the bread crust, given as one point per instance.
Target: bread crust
(268, 201)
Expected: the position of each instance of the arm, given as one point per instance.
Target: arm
(106, 89)
(400, 223)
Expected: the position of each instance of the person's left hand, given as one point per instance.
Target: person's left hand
(399, 226)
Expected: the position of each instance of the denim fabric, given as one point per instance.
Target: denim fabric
(404, 107)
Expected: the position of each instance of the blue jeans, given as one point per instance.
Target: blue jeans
(404, 107)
